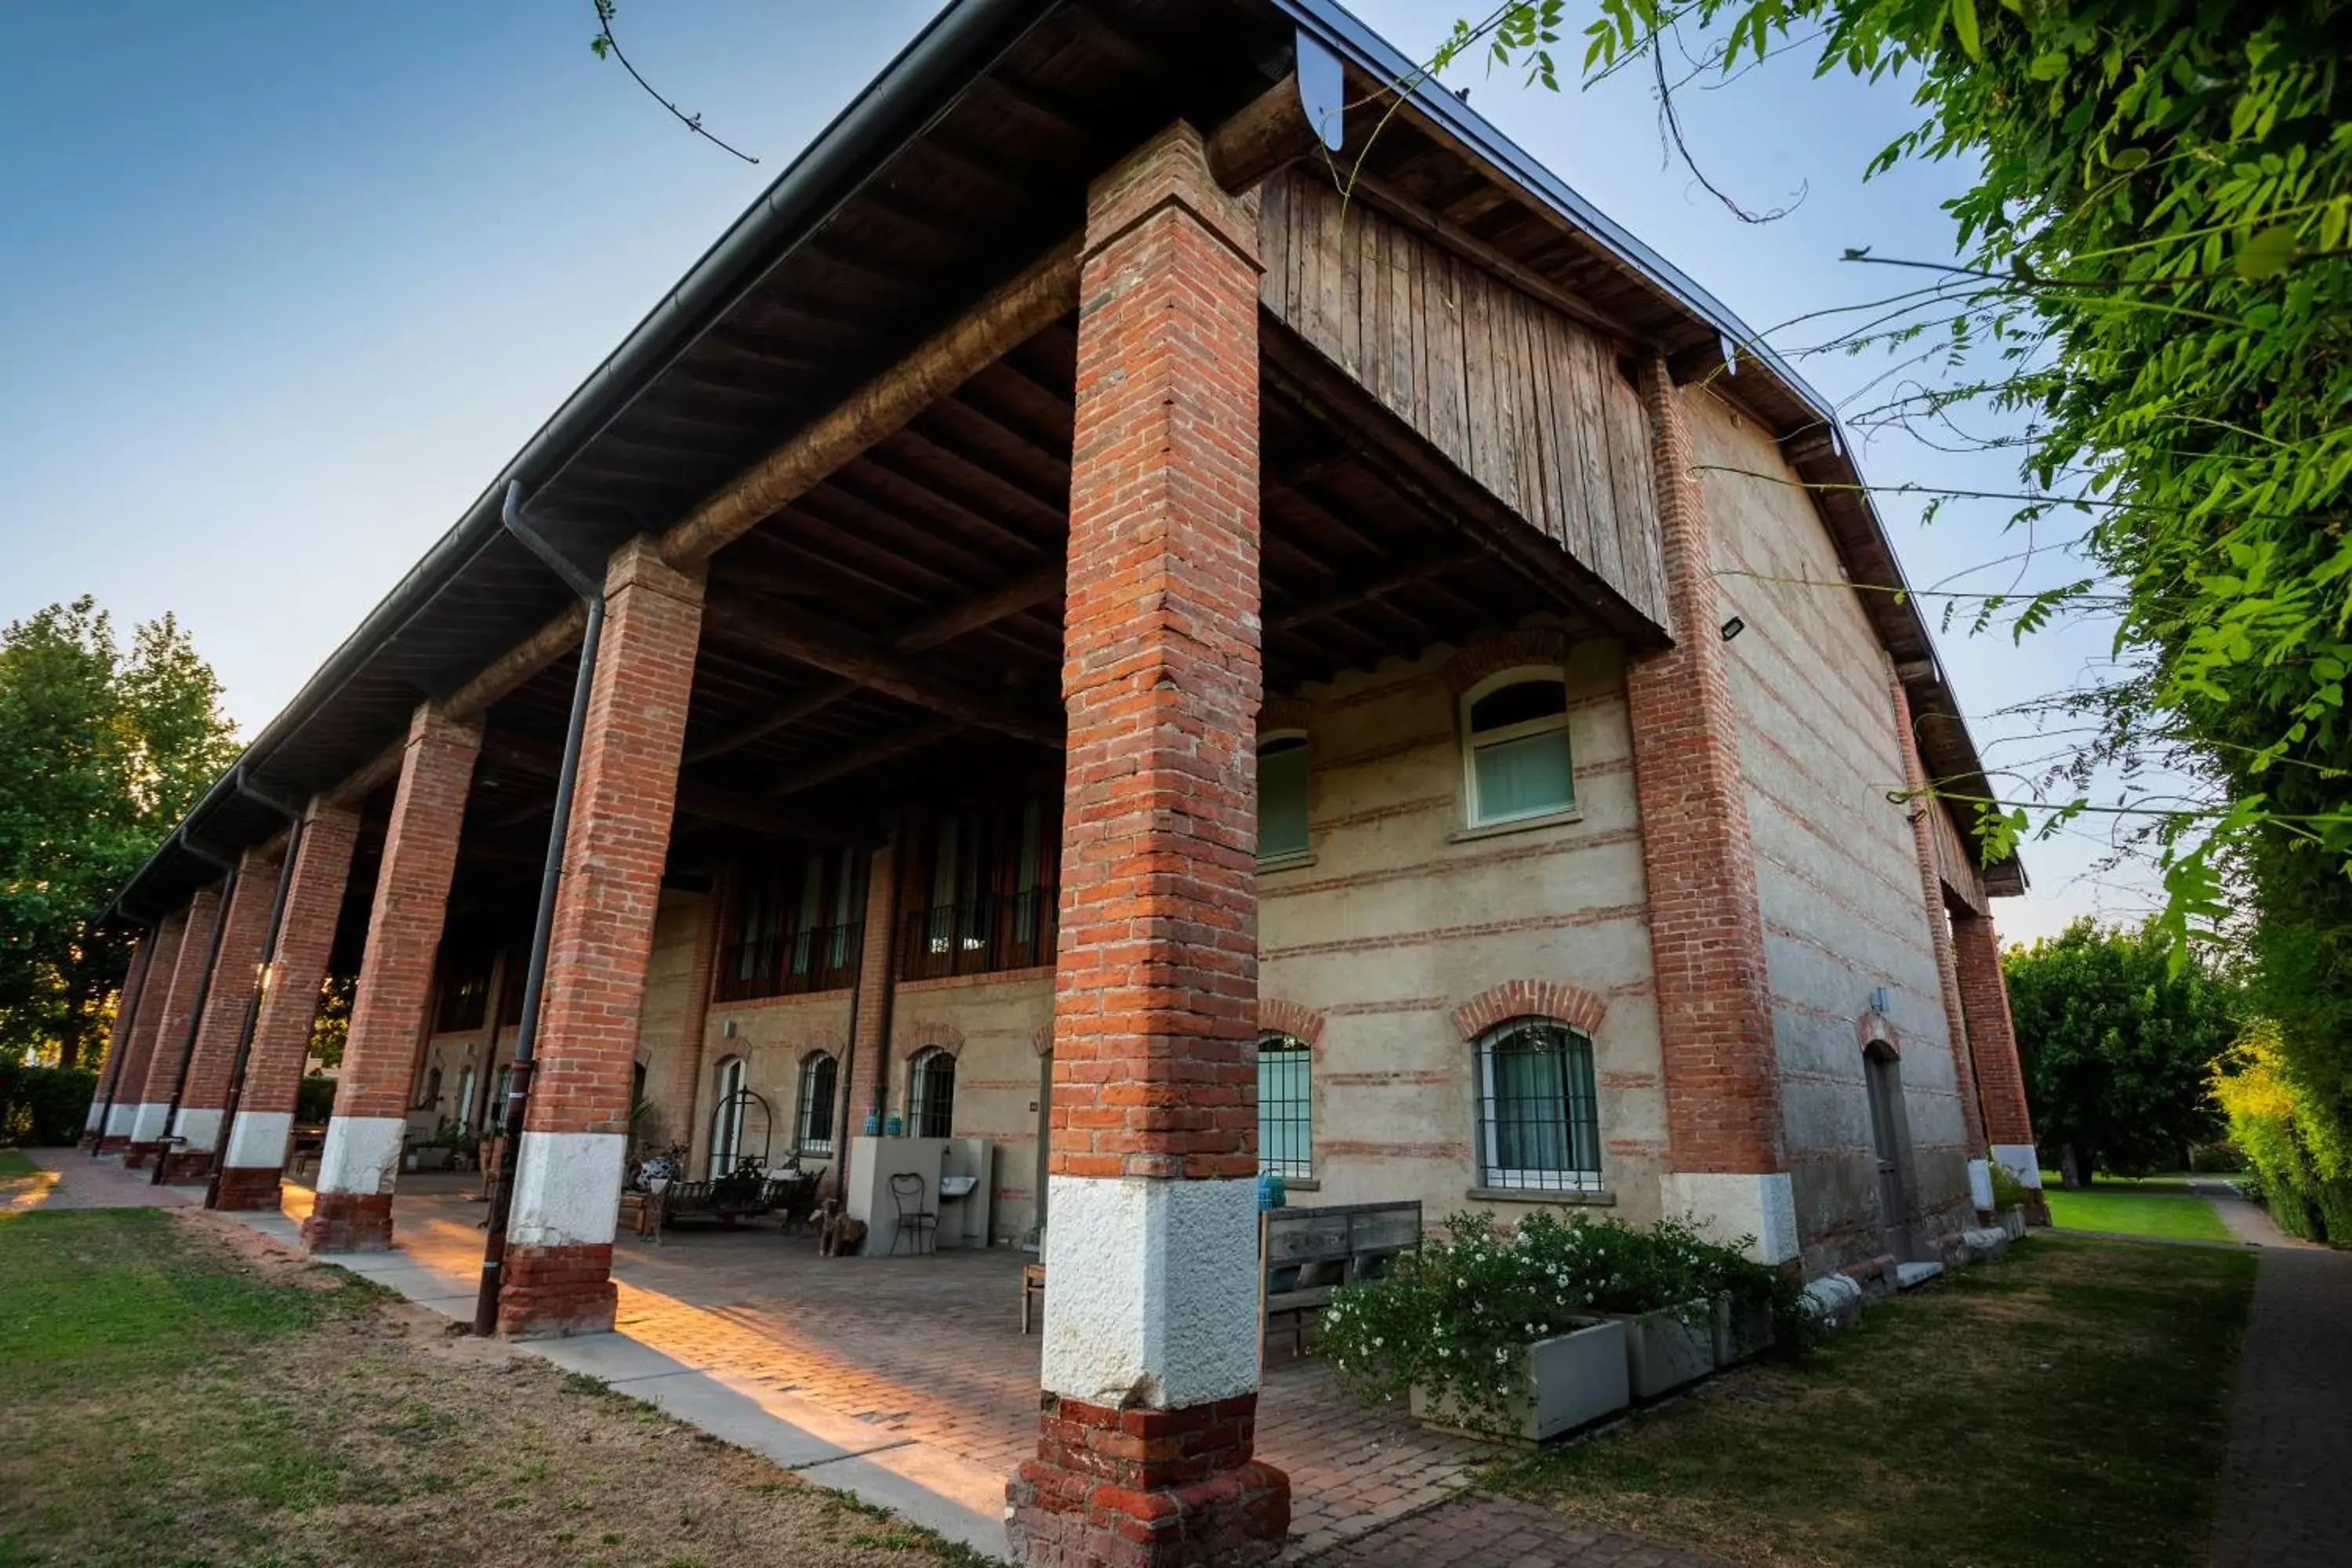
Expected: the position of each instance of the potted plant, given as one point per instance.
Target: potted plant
(1481, 1332)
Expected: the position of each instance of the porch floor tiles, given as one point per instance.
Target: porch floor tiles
(904, 1380)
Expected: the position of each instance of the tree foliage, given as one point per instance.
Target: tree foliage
(2119, 1048)
(102, 750)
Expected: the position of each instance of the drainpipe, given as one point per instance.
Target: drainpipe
(204, 992)
(542, 930)
(269, 943)
(130, 1022)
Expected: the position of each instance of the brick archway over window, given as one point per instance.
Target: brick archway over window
(1571, 1004)
(933, 1035)
(1876, 1029)
(1506, 650)
(1278, 1016)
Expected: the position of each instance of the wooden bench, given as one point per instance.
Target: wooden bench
(729, 1199)
(1309, 1253)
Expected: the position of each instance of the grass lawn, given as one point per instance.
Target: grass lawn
(2068, 1405)
(14, 1165)
(179, 1393)
(2152, 1205)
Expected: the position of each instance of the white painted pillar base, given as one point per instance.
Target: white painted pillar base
(258, 1140)
(1981, 1184)
(120, 1120)
(361, 1155)
(2021, 1161)
(567, 1189)
(1727, 1207)
(1154, 1291)
(199, 1129)
(147, 1122)
(97, 1113)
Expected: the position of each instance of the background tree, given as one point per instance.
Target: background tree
(101, 752)
(2119, 1047)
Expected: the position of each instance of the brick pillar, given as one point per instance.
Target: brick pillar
(567, 1182)
(1150, 1363)
(1707, 929)
(255, 1146)
(361, 1158)
(867, 1080)
(117, 1039)
(205, 1099)
(170, 1042)
(1940, 932)
(131, 1081)
(1992, 1042)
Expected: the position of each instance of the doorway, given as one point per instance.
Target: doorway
(1890, 1137)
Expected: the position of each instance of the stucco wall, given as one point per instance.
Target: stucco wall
(999, 1029)
(773, 1035)
(1399, 921)
(1836, 864)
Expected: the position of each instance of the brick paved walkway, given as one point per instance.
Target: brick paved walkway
(71, 1179)
(2286, 1501)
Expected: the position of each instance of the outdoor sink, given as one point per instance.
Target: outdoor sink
(957, 1186)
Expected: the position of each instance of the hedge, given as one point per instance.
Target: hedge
(44, 1105)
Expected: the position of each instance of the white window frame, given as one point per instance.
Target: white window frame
(806, 1105)
(1473, 741)
(1305, 854)
(918, 1070)
(738, 1071)
(1492, 1173)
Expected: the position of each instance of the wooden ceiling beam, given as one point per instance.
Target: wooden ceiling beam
(1349, 595)
(780, 632)
(897, 742)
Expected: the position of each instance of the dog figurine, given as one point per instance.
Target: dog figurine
(837, 1235)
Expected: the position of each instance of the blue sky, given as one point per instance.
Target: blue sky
(283, 285)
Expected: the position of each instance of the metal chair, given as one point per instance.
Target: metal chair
(916, 1223)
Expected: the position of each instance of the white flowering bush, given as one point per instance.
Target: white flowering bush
(1456, 1317)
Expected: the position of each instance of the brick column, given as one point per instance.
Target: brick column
(868, 1077)
(1992, 1042)
(117, 1039)
(205, 1099)
(1707, 929)
(1940, 932)
(685, 1092)
(170, 1041)
(361, 1158)
(1150, 1363)
(131, 1081)
(256, 1147)
(567, 1182)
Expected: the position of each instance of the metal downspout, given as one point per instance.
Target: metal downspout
(130, 1022)
(196, 1011)
(494, 1245)
(262, 977)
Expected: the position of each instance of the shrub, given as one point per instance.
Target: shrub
(2223, 1158)
(2008, 1192)
(44, 1105)
(1458, 1315)
(314, 1100)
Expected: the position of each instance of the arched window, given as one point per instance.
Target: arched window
(727, 1118)
(813, 1125)
(931, 1095)
(1282, 798)
(1286, 1108)
(1539, 1116)
(1516, 762)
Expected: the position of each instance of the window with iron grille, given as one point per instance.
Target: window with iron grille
(1539, 1117)
(820, 1074)
(1286, 1109)
(1516, 759)
(931, 1095)
(796, 928)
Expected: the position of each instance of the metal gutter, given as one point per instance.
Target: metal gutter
(909, 94)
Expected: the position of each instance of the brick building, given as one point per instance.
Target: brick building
(1103, 647)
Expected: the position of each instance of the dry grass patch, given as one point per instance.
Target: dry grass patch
(181, 1392)
(2067, 1405)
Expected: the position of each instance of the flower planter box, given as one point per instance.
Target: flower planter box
(1741, 1329)
(1669, 1347)
(1572, 1380)
(2012, 1220)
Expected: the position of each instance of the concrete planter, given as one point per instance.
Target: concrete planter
(428, 1159)
(2012, 1220)
(1669, 1347)
(1572, 1380)
(1741, 1329)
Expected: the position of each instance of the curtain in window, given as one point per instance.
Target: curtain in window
(1542, 1110)
(1525, 777)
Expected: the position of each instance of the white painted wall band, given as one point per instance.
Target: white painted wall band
(147, 1122)
(567, 1189)
(361, 1155)
(1726, 1207)
(199, 1127)
(257, 1142)
(2022, 1161)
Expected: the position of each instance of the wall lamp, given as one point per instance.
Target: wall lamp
(1733, 627)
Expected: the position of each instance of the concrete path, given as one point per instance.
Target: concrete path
(2286, 1500)
(71, 1179)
